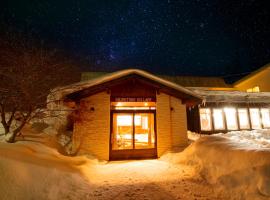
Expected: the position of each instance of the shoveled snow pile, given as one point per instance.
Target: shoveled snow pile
(35, 171)
(237, 163)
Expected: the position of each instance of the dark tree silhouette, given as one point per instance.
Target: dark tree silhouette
(27, 74)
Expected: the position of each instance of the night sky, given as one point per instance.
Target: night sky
(184, 37)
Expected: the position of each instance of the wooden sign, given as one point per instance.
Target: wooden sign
(133, 99)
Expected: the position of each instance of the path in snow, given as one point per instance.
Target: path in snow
(147, 180)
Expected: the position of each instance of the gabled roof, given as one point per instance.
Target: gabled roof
(107, 78)
(185, 81)
(252, 74)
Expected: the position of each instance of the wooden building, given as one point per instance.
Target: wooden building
(134, 114)
(128, 114)
(257, 81)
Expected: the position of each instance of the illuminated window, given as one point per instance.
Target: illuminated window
(231, 118)
(243, 118)
(133, 105)
(205, 119)
(255, 118)
(218, 119)
(122, 131)
(133, 131)
(124, 120)
(144, 132)
(254, 89)
(265, 117)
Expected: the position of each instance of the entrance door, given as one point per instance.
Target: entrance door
(133, 135)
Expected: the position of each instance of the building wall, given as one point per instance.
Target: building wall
(171, 123)
(92, 131)
(178, 123)
(260, 79)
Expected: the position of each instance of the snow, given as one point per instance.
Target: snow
(30, 170)
(258, 139)
(237, 163)
(59, 93)
(231, 95)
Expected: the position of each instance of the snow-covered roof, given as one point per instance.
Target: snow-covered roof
(66, 90)
(232, 96)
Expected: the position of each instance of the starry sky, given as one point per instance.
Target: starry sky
(223, 38)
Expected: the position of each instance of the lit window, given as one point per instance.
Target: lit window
(243, 118)
(231, 119)
(124, 120)
(255, 118)
(265, 117)
(254, 89)
(205, 119)
(218, 119)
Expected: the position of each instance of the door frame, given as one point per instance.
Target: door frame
(125, 154)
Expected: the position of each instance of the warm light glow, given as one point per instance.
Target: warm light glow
(265, 117)
(134, 108)
(255, 118)
(243, 118)
(138, 120)
(218, 119)
(133, 128)
(124, 120)
(254, 89)
(133, 105)
(231, 119)
(118, 104)
(205, 119)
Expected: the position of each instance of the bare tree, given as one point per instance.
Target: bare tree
(27, 73)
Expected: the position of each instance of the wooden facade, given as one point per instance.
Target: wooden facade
(167, 110)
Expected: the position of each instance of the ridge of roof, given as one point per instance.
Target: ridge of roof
(183, 80)
(118, 74)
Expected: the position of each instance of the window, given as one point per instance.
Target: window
(218, 119)
(133, 105)
(243, 118)
(265, 117)
(231, 118)
(133, 131)
(255, 118)
(205, 119)
(254, 89)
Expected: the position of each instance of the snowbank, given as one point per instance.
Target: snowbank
(237, 167)
(250, 139)
(35, 171)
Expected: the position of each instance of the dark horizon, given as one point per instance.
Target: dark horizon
(199, 38)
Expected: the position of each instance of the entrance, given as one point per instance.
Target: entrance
(133, 134)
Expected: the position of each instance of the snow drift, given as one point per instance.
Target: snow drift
(239, 168)
(35, 171)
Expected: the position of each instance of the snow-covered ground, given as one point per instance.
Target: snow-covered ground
(224, 166)
(34, 171)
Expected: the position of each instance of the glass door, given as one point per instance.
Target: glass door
(122, 133)
(133, 135)
(144, 131)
